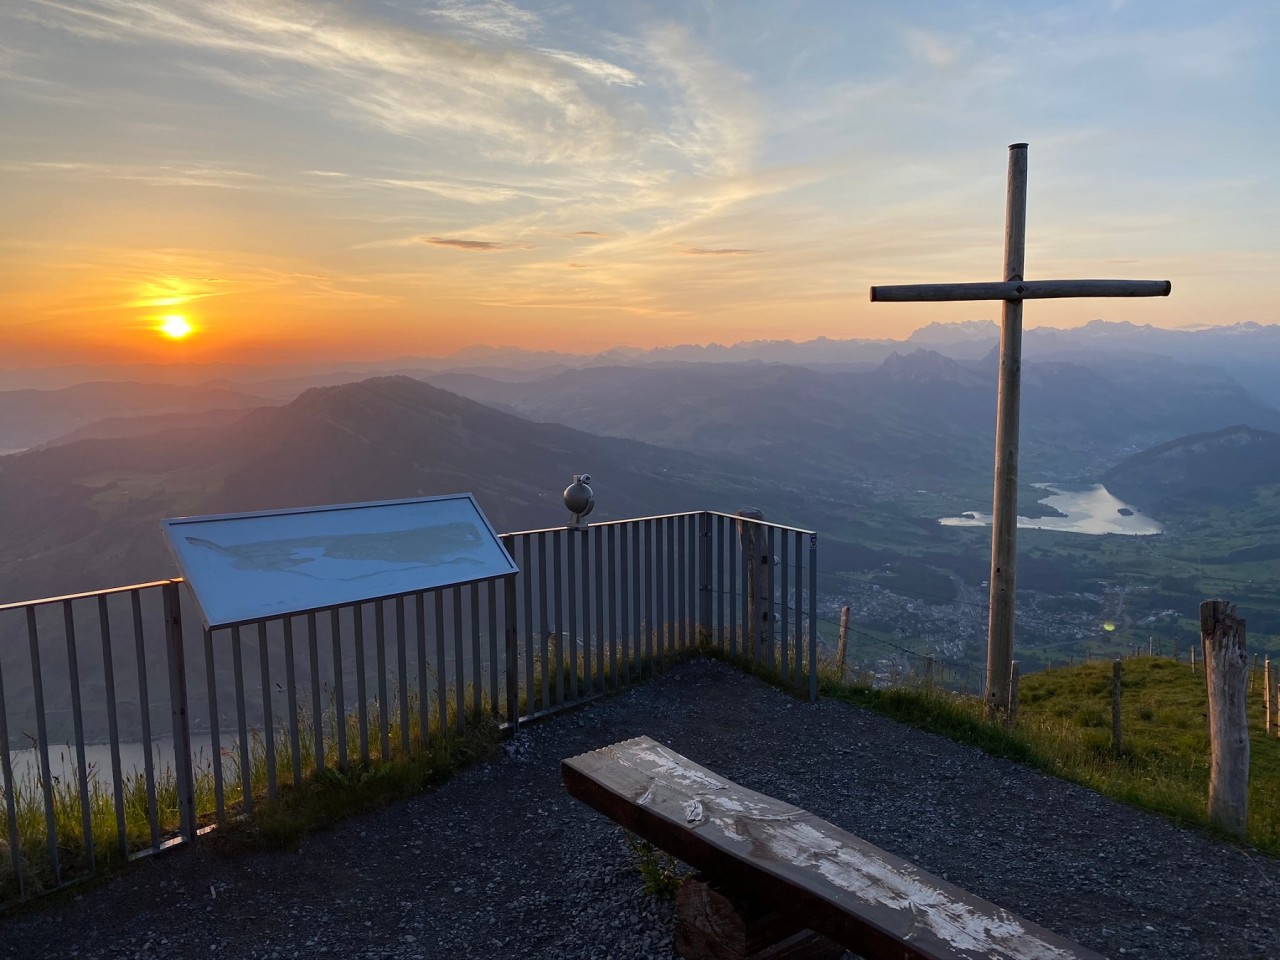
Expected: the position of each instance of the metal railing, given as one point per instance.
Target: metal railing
(168, 729)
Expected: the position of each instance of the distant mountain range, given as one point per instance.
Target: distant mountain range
(29, 418)
(85, 515)
(916, 418)
(1248, 352)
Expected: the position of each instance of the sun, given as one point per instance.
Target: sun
(175, 327)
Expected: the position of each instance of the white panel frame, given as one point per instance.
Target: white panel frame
(246, 567)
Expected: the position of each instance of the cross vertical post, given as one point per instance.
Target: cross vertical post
(1004, 507)
(1013, 289)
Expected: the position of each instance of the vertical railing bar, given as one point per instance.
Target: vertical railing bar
(769, 603)
(682, 582)
(184, 779)
(511, 656)
(268, 714)
(635, 648)
(42, 741)
(526, 554)
(317, 718)
(557, 597)
(784, 560)
(237, 654)
(362, 696)
(339, 701)
(77, 720)
(380, 659)
(291, 701)
(615, 593)
(584, 598)
(144, 709)
(459, 663)
(798, 654)
(626, 619)
(717, 580)
(731, 574)
(597, 553)
(10, 803)
(659, 592)
(442, 674)
(571, 583)
(651, 535)
(402, 664)
(424, 695)
(750, 561)
(672, 608)
(215, 738)
(813, 616)
(477, 662)
(544, 632)
(113, 727)
(491, 596)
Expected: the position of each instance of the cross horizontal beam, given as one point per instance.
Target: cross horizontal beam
(1020, 290)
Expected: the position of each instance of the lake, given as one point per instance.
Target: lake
(1088, 509)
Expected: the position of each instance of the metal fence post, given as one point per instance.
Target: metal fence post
(184, 780)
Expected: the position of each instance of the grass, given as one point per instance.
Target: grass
(1064, 728)
(260, 810)
(274, 812)
(661, 873)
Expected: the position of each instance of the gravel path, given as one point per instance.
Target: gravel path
(501, 862)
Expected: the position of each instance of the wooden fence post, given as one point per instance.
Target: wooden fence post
(1226, 666)
(1193, 658)
(1116, 742)
(843, 645)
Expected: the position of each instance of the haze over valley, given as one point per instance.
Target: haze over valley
(871, 443)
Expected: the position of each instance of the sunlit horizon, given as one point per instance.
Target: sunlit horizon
(314, 181)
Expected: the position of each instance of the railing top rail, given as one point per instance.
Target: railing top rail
(661, 516)
(23, 604)
(767, 523)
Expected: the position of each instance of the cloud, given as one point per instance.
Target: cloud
(458, 244)
(525, 104)
(721, 252)
(493, 18)
(588, 233)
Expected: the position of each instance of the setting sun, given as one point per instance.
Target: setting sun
(175, 327)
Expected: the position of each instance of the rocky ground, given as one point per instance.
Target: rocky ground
(501, 862)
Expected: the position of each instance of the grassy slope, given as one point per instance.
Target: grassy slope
(1064, 728)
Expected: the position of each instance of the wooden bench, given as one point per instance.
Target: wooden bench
(811, 874)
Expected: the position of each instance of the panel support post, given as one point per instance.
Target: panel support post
(178, 707)
(1004, 510)
(1226, 667)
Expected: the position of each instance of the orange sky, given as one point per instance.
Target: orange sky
(303, 182)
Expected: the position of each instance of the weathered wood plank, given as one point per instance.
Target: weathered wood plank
(878, 905)
(1019, 290)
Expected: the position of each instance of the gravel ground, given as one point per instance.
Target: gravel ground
(500, 861)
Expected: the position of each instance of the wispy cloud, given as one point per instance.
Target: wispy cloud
(483, 246)
(720, 252)
(162, 175)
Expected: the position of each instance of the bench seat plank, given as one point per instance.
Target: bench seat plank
(878, 905)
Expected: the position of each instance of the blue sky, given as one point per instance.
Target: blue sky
(314, 179)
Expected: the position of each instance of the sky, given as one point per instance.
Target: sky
(363, 180)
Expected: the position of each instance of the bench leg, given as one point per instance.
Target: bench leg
(714, 924)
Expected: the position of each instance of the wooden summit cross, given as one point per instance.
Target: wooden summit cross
(1012, 290)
